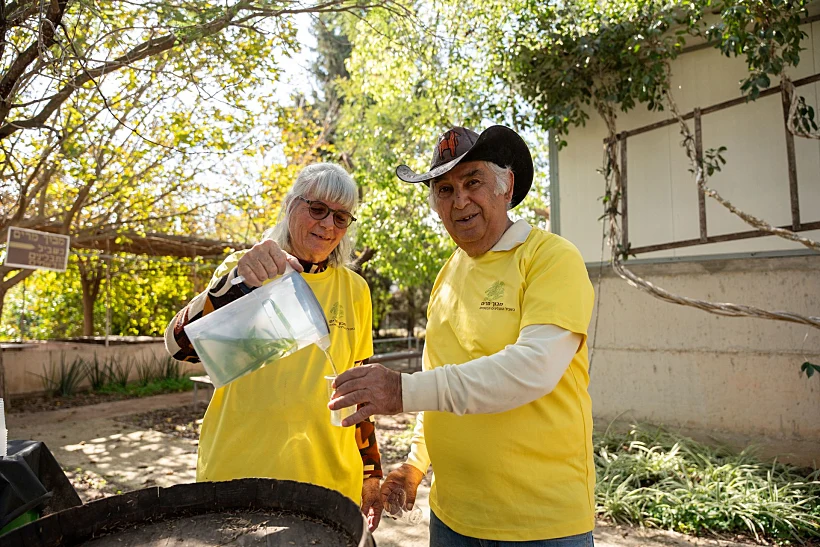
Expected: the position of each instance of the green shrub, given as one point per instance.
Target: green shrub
(64, 379)
(653, 478)
(96, 372)
(119, 370)
(154, 387)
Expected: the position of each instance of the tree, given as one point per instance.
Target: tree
(409, 81)
(139, 66)
(141, 295)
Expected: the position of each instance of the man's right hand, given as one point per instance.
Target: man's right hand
(264, 261)
(399, 488)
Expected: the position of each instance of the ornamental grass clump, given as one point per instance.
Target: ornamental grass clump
(654, 478)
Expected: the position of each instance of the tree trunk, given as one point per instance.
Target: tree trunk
(361, 259)
(91, 273)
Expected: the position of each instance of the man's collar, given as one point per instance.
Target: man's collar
(513, 237)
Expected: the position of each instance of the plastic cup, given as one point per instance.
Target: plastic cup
(412, 517)
(395, 509)
(336, 416)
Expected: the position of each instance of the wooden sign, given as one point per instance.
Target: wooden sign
(36, 250)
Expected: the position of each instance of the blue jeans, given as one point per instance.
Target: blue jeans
(443, 536)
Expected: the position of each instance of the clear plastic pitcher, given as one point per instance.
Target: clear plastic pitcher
(263, 326)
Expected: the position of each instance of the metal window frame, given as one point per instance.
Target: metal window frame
(796, 225)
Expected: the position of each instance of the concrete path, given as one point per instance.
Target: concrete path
(104, 457)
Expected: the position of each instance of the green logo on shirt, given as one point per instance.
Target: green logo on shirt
(494, 298)
(336, 317)
(495, 292)
(337, 311)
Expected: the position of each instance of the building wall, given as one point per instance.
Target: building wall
(662, 195)
(734, 380)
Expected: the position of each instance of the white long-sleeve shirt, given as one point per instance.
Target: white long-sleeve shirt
(518, 374)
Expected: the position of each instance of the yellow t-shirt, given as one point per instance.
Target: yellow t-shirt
(527, 473)
(274, 422)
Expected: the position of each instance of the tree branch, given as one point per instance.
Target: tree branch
(144, 50)
(48, 26)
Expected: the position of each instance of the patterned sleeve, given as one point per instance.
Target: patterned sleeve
(366, 430)
(219, 294)
(369, 449)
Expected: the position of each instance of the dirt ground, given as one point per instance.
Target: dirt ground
(118, 446)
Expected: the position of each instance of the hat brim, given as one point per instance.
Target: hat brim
(498, 144)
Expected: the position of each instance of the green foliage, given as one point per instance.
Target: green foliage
(168, 367)
(142, 146)
(809, 369)
(96, 372)
(657, 479)
(153, 387)
(804, 116)
(65, 378)
(713, 160)
(577, 55)
(119, 371)
(766, 33)
(394, 111)
(146, 373)
(144, 297)
(573, 57)
(111, 375)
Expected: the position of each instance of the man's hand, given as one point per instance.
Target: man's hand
(400, 487)
(376, 388)
(372, 502)
(264, 261)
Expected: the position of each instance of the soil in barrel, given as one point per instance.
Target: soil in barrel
(239, 528)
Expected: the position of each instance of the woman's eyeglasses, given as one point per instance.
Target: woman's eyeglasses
(319, 210)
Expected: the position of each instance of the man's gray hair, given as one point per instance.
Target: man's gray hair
(325, 182)
(502, 180)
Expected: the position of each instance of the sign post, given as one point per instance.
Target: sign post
(33, 250)
(36, 250)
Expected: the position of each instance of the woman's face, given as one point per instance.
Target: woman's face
(313, 240)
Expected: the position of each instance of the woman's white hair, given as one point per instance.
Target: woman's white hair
(502, 181)
(325, 182)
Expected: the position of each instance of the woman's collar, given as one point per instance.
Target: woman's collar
(313, 267)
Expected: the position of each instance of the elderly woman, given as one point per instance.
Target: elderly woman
(274, 422)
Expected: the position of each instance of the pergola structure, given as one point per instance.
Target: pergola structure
(157, 245)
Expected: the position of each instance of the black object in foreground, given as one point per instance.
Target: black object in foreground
(259, 511)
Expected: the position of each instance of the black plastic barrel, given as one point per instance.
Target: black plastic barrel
(240, 512)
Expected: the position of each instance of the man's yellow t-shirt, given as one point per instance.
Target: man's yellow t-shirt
(527, 473)
(274, 422)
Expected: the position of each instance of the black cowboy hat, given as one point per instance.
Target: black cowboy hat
(498, 144)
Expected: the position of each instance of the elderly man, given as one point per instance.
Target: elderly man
(504, 412)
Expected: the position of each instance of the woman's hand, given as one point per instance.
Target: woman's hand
(372, 502)
(264, 261)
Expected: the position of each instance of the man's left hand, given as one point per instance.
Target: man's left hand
(375, 388)
(372, 502)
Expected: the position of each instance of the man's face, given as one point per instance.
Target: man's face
(473, 214)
